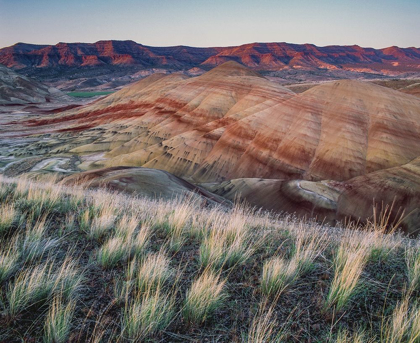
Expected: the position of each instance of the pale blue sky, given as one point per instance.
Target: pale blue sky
(374, 23)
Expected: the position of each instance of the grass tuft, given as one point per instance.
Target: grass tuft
(114, 251)
(228, 243)
(9, 259)
(146, 315)
(413, 268)
(58, 321)
(348, 267)
(101, 224)
(279, 273)
(153, 272)
(264, 327)
(404, 324)
(35, 244)
(344, 336)
(31, 286)
(204, 297)
(8, 215)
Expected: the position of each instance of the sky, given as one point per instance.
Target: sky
(203, 23)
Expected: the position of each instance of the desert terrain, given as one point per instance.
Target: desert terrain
(258, 193)
(234, 132)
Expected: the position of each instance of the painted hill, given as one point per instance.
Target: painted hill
(231, 122)
(239, 133)
(19, 89)
(260, 56)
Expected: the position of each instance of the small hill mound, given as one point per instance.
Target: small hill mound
(144, 182)
(231, 68)
(413, 89)
(18, 89)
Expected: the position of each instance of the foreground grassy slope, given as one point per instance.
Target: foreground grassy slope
(90, 266)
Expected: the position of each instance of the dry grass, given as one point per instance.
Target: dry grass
(404, 324)
(413, 268)
(140, 241)
(124, 245)
(114, 251)
(114, 268)
(345, 337)
(9, 259)
(279, 273)
(146, 315)
(204, 297)
(58, 321)
(7, 216)
(127, 226)
(31, 286)
(153, 272)
(348, 267)
(101, 223)
(35, 243)
(85, 220)
(264, 327)
(69, 278)
(228, 243)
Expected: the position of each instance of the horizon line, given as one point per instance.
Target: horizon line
(209, 47)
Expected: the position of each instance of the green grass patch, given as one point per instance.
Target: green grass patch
(87, 94)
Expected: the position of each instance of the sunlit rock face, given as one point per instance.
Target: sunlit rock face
(258, 56)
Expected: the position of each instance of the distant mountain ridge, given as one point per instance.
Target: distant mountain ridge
(258, 56)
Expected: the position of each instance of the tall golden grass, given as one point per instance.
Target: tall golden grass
(53, 239)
